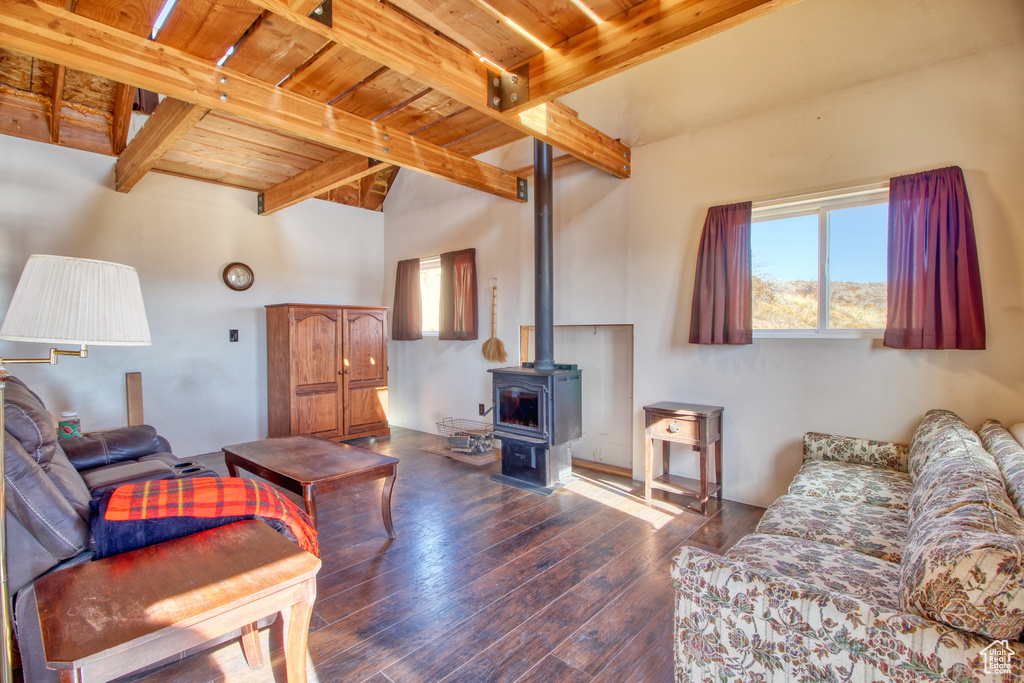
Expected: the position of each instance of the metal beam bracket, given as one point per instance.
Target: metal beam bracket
(508, 89)
(323, 13)
(521, 188)
(259, 204)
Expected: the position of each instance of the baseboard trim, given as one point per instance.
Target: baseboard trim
(602, 467)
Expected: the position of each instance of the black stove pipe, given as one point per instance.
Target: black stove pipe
(543, 258)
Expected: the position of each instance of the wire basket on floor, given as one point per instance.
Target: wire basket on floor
(466, 436)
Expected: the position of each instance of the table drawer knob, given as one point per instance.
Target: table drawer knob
(673, 427)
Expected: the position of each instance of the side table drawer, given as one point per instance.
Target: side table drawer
(674, 428)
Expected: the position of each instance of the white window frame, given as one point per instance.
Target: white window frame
(820, 203)
(430, 263)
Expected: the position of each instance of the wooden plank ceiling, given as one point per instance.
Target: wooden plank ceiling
(262, 95)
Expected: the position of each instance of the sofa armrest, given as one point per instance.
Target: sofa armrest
(736, 622)
(888, 455)
(103, 479)
(111, 446)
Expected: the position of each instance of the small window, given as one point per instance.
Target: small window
(430, 295)
(819, 264)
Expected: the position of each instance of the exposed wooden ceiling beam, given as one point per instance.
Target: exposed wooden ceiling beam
(57, 98)
(340, 170)
(557, 162)
(121, 117)
(379, 32)
(373, 189)
(56, 102)
(46, 32)
(638, 35)
(171, 121)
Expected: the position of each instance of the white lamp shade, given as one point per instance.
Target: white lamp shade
(62, 300)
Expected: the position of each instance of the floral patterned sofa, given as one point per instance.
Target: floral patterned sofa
(884, 562)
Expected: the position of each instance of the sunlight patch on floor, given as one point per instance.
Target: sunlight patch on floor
(615, 493)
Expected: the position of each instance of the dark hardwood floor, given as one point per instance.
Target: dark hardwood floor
(487, 582)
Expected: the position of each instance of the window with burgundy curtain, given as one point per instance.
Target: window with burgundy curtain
(934, 292)
(721, 292)
(407, 314)
(459, 318)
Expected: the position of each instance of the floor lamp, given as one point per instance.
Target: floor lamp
(61, 300)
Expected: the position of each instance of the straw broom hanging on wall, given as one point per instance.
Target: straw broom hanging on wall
(494, 350)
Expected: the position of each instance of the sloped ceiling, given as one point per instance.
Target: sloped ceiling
(814, 48)
(298, 99)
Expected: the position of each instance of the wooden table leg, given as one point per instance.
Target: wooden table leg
(666, 449)
(648, 456)
(385, 503)
(232, 469)
(703, 480)
(251, 646)
(718, 467)
(705, 437)
(296, 623)
(308, 498)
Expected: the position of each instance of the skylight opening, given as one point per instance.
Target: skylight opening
(589, 12)
(161, 18)
(514, 26)
(231, 51)
(485, 61)
(523, 32)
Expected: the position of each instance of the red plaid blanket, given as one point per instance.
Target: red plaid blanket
(210, 497)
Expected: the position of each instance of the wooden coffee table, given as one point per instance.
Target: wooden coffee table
(308, 465)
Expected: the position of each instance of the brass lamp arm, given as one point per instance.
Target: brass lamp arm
(83, 352)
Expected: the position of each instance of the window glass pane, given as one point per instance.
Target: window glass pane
(784, 260)
(430, 294)
(857, 244)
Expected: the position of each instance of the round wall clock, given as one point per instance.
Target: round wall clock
(238, 276)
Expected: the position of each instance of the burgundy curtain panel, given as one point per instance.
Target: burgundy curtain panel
(721, 291)
(459, 316)
(934, 281)
(407, 315)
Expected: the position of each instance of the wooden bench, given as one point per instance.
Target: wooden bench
(110, 617)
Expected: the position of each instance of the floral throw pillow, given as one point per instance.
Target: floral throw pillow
(963, 564)
(939, 432)
(1009, 455)
(966, 578)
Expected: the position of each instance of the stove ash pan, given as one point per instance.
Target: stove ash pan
(541, 407)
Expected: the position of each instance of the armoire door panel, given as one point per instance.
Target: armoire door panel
(366, 372)
(315, 359)
(317, 414)
(367, 408)
(365, 347)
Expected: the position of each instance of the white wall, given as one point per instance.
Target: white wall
(625, 250)
(821, 94)
(200, 391)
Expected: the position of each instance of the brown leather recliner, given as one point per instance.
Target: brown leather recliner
(50, 483)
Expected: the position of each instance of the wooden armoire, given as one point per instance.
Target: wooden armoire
(327, 371)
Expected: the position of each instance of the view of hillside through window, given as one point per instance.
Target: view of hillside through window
(787, 278)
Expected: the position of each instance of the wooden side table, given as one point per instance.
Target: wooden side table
(106, 618)
(688, 423)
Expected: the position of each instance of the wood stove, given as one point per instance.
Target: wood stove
(538, 407)
(537, 412)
